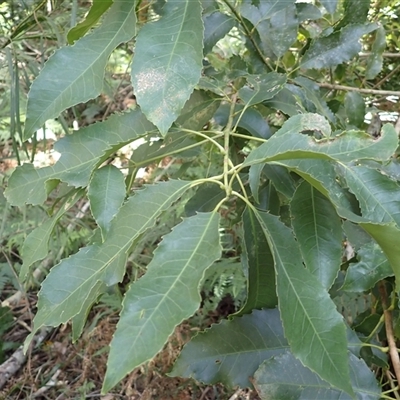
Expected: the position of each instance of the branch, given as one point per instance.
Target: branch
(360, 90)
(15, 362)
(394, 355)
(387, 55)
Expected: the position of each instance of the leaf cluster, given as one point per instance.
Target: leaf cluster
(308, 196)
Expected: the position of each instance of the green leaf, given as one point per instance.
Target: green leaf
(282, 32)
(98, 8)
(349, 146)
(356, 235)
(75, 74)
(254, 180)
(174, 143)
(36, 245)
(269, 199)
(216, 26)
(198, 111)
(254, 123)
(377, 194)
(248, 119)
(81, 153)
(168, 62)
(205, 199)
(283, 377)
(351, 17)
(355, 108)
(79, 320)
(307, 11)
(106, 194)
(264, 10)
(388, 238)
(281, 179)
(336, 48)
(330, 5)
(261, 87)
(322, 175)
(318, 231)
(372, 266)
(285, 102)
(375, 61)
(69, 284)
(231, 351)
(311, 93)
(304, 123)
(314, 329)
(261, 290)
(166, 295)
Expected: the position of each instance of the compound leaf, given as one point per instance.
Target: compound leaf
(166, 295)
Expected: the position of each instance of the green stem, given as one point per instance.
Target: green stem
(382, 349)
(245, 199)
(213, 179)
(248, 137)
(227, 132)
(153, 159)
(377, 327)
(248, 34)
(205, 137)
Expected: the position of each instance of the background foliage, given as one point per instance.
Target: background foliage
(268, 131)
